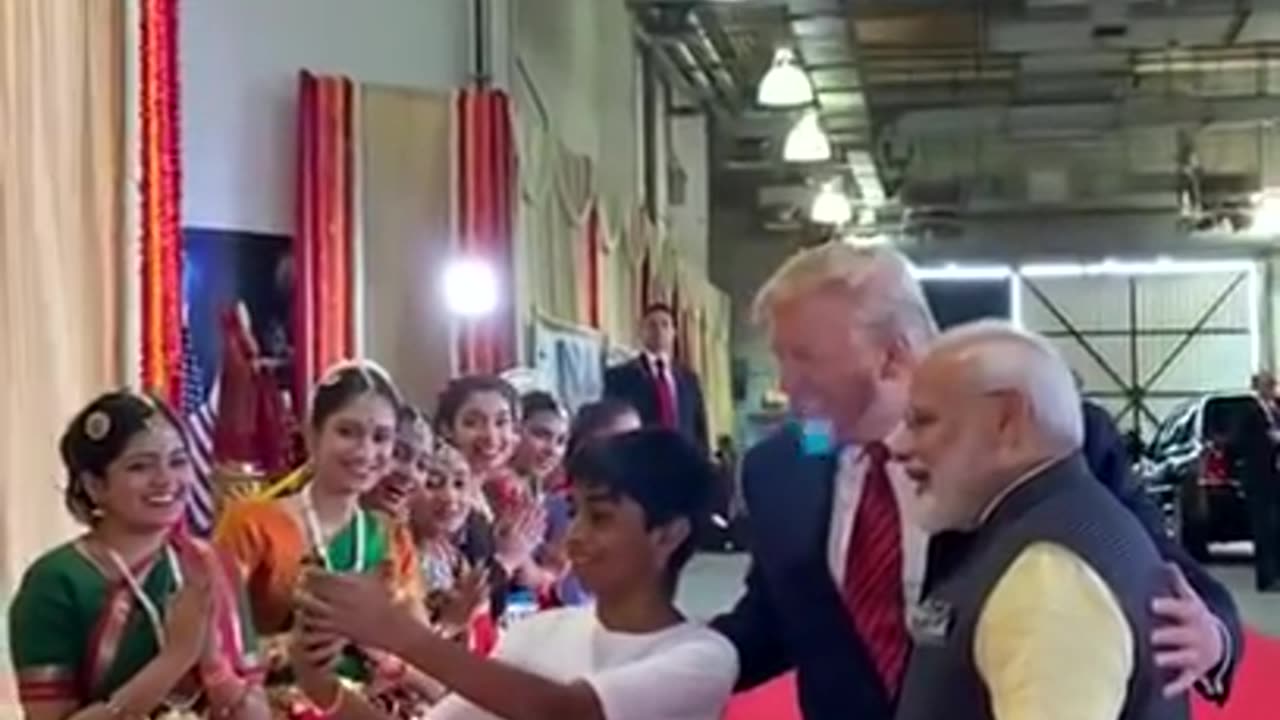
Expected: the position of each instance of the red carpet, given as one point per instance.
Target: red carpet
(1255, 696)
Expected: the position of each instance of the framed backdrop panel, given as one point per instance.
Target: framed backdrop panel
(225, 267)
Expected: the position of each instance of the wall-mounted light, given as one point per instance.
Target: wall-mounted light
(831, 206)
(1125, 268)
(785, 84)
(806, 142)
(470, 287)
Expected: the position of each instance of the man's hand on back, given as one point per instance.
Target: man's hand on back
(1190, 642)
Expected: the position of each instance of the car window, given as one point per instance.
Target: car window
(1183, 429)
(1224, 415)
(1175, 429)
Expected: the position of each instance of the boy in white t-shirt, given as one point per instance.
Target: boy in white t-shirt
(638, 498)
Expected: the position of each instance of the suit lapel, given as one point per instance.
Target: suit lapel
(643, 380)
(809, 497)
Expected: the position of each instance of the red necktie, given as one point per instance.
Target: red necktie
(666, 395)
(872, 585)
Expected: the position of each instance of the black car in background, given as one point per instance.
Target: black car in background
(1192, 473)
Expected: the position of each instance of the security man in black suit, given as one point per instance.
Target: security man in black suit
(661, 389)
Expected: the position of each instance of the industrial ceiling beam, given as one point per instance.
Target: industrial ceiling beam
(1145, 112)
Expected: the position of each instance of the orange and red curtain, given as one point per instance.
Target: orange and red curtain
(160, 194)
(486, 182)
(324, 322)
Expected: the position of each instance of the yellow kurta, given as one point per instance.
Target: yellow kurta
(1052, 642)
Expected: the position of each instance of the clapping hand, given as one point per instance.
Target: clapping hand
(469, 593)
(517, 534)
(188, 613)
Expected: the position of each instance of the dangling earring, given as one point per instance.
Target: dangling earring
(97, 513)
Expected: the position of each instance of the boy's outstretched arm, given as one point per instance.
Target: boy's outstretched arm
(690, 675)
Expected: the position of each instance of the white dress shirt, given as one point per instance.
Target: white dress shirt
(849, 481)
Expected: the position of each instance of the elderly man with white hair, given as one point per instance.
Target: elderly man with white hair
(1042, 609)
(835, 563)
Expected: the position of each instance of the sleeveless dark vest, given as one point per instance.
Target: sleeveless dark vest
(1063, 505)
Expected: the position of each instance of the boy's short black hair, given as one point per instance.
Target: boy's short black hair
(659, 470)
(594, 417)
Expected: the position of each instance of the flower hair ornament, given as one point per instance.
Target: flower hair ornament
(368, 369)
(97, 425)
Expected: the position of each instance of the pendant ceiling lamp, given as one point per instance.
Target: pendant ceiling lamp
(806, 142)
(785, 84)
(831, 206)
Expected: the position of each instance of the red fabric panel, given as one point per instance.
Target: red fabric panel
(485, 187)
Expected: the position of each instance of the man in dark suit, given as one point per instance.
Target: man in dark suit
(826, 595)
(661, 389)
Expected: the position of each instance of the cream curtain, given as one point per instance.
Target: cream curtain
(624, 250)
(556, 189)
(405, 204)
(61, 180)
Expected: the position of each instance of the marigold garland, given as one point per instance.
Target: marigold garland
(160, 197)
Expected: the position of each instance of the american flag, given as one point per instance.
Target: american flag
(199, 410)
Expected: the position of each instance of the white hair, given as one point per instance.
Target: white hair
(878, 281)
(1004, 357)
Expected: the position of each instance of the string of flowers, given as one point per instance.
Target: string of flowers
(160, 197)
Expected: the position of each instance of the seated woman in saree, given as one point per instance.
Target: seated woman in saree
(457, 587)
(351, 430)
(133, 619)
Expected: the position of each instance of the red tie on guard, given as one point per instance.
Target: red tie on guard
(666, 395)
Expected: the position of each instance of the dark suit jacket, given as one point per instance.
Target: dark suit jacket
(632, 383)
(1104, 450)
(792, 615)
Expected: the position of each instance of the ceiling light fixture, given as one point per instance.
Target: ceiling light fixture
(806, 142)
(785, 84)
(831, 206)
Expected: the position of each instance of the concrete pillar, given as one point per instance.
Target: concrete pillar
(1269, 310)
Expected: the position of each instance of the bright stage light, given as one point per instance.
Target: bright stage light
(470, 287)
